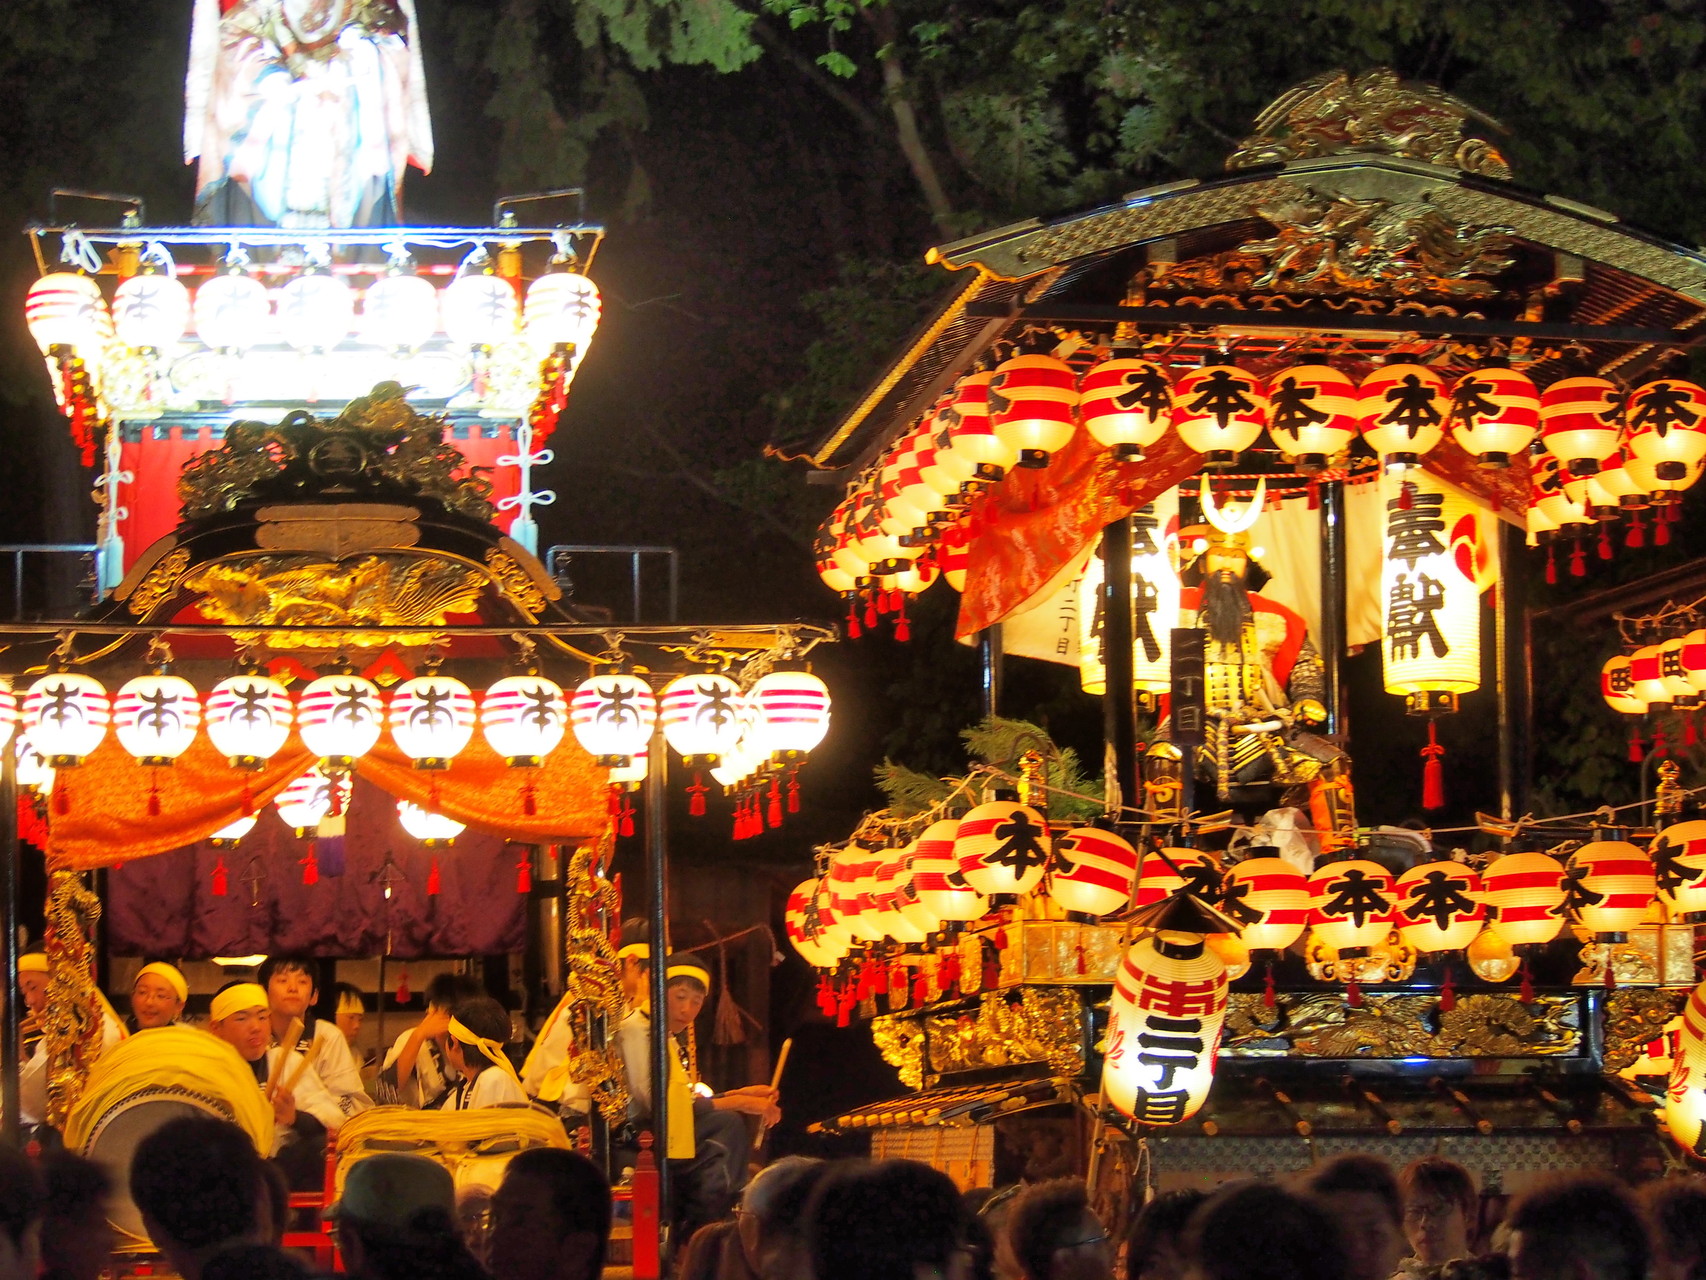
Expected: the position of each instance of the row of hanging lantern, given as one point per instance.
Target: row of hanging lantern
(1666, 675)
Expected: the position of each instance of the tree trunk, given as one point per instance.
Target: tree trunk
(895, 92)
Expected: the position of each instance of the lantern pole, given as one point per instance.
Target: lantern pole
(1332, 646)
(1513, 638)
(1119, 712)
(657, 843)
(989, 649)
(9, 854)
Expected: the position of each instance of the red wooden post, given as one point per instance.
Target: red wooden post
(648, 1229)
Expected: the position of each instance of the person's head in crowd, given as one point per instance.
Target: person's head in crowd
(1578, 1228)
(634, 958)
(447, 990)
(32, 981)
(396, 1220)
(254, 1262)
(994, 1214)
(1155, 1244)
(198, 1184)
(1258, 1231)
(483, 1017)
(76, 1238)
(1055, 1236)
(1439, 1209)
(21, 1202)
(1676, 1208)
(688, 983)
(1362, 1194)
(351, 1010)
(157, 996)
(240, 1016)
(888, 1220)
(292, 982)
(550, 1218)
(275, 1186)
(771, 1219)
(980, 1244)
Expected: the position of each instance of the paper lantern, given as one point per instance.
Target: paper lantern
(1164, 1024)
(64, 309)
(232, 312)
(832, 929)
(1126, 405)
(1033, 404)
(972, 434)
(793, 714)
(1312, 414)
(1679, 862)
(1439, 906)
(308, 799)
(1092, 872)
(1551, 497)
(1352, 905)
(339, 718)
(949, 471)
(613, 716)
(1685, 1105)
(1002, 847)
(151, 310)
(248, 718)
(701, 716)
(432, 719)
(1495, 412)
(915, 490)
(400, 311)
(563, 308)
(1660, 482)
(942, 890)
(1157, 876)
(230, 835)
(1617, 686)
(1432, 640)
(1694, 658)
(633, 773)
(890, 897)
(155, 717)
(1233, 953)
(524, 718)
(1647, 671)
(907, 899)
(480, 311)
(1611, 489)
(1219, 410)
(1673, 673)
(315, 311)
(1667, 427)
(1610, 885)
(1403, 410)
(852, 876)
(1154, 604)
(800, 921)
(1270, 898)
(1524, 893)
(66, 715)
(1581, 423)
(953, 554)
(432, 829)
(34, 772)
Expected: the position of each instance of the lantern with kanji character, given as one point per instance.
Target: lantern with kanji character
(1126, 405)
(34, 772)
(64, 309)
(1432, 642)
(1646, 669)
(524, 718)
(1312, 414)
(936, 875)
(1610, 886)
(155, 717)
(1092, 872)
(1581, 423)
(399, 311)
(66, 715)
(1219, 410)
(907, 900)
(480, 310)
(151, 310)
(889, 896)
(340, 717)
(613, 716)
(800, 921)
(1164, 1025)
(434, 830)
(308, 799)
(1270, 898)
(1002, 847)
(1033, 406)
(1693, 656)
(1154, 602)
(1679, 862)
(1667, 427)
(1164, 871)
(793, 714)
(316, 311)
(1403, 409)
(8, 715)
(1617, 686)
(953, 554)
(1524, 893)
(1685, 1104)
(972, 433)
(248, 718)
(232, 312)
(852, 880)
(563, 308)
(1495, 412)
(1439, 906)
(1352, 906)
(1673, 672)
(432, 719)
(948, 471)
(701, 716)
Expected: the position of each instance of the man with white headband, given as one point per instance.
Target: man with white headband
(157, 996)
(32, 1079)
(474, 1046)
(545, 1072)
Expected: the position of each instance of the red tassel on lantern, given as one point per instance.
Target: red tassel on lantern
(794, 789)
(1636, 755)
(879, 979)
(902, 628)
(920, 990)
(1661, 744)
(825, 996)
(1637, 535)
(153, 793)
(627, 827)
(1604, 542)
(248, 798)
(433, 879)
(870, 609)
(524, 874)
(1268, 987)
(854, 630)
(1525, 992)
(948, 973)
(1578, 561)
(404, 995)
(1551, 565)
(1661, 526)
(1353, 994)
(1314, 495)
(1405, 495)
(311, 865)
(1610, 971)
(1079, 959)
(529, 804)
(1433, 772)
(1447, 993)
(221, 878)
(844, 1007)
(696, 796)
(775, 802)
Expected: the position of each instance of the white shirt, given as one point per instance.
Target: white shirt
(491, 1088)
(335, 1065)
(428, 1084)
(309, 1091)
(32, 1079)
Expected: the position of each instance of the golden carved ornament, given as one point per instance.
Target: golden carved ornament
(515, 582)
(160, 584)
(1332, 114)
(901, 1042)
(593, 984)
(1043, 1025)
(390, 589)
(1633, 1018)
(71, 1023)
(1388, 1025)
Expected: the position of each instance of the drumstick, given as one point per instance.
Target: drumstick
(296, 1073)
(775, 1084)
(292, 1034)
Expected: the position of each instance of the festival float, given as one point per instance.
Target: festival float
(1201, 444)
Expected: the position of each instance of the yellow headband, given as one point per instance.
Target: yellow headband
(490, 1050)
(32, 962)
(167, 974)
(687, 971)
(639, 950)
(348, 1001)
(245, 995)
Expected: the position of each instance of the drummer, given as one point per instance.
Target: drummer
(32, 1080)
(415, 1073)
(157, 997)
(474, 1046)
(545, 1072)
(292, 989)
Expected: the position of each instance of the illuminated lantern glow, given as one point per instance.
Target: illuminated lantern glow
(1233, 953)
(66, 715)
(613, 716)
(563, 309)
(1581, 423)
(227, 836)
(831, 927)
(1662, 487)
(1156, 879)
(889, 897)
(34, 772)
(399, 311)
(899, 473)
(233, 312)
(1439, 906)
(793, 714)
(1646, 668)
(524, 718)
(1312, 414)
(1617, 686)
(432, 829)
(1352, 906)
(1673, 672)
(949, 472)
(1126, 405)
(151, 310)
(315, 311)
(480, 311)
(432, 719)
(1524, 893)
(64, 309)
(1610, 884)
(1679, 863)
(1033, 404)
(248, 719)
(942, 890)
(339, 718)
(909, 579)
(1154, 603)
(1403, 411)
(1495, 412)
(913, 492)
(882, 551)
(1002, 847)
(1219, 410)
(8, 715)
(1552, 497)
(155, 717)
(701, 716)
(632, 774)
(851, 871)
(953, 554)
(1092, 873)
(800, 920)
(1667, 427)
(1432, 640)
(1694, 658)
(1612, 489)
(908, 901)
(972, 434)
(308, 799)
(1164, 1025)
(1685, 1103)
(1270, 898)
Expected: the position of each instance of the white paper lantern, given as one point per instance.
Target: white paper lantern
(34, 772)
(1164, 1025)
(340, 717)
(936, 876)
(400, 312)
(562, 308)
(1581, 423)
(613, 716)
(793, 714)
(248, 718)
(64, 309)
(66, 715)
(8, 715)
(1439, 906)
(524, 718)
(1313, 412)
(1432, 633)
(155, 717)
(315, 311)
(151, 310)
(432, 719)
(1351, 905)
(702, 716)
(1092, 872)
(232, 312)
(1270, 898)
(1002, 847)
(228, 836)
(431, 829)
(1524, 893)
(308, 799)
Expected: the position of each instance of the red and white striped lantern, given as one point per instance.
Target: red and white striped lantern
(953, 554)
(892, 898)
(793, 714)
(1270, 898)
(613, 716)
(1667, 427)
(1033, 406)
(1312, 414)
(1673, 672)
(1495, 412)
(64, 309)
(66, 715)
(800, 921)
(1581, 423)
(852, 882)
(907, 899)
(248, 719)
(936, 876)
(1219, 410)
(155, 717)
(1092, 872)
(702, 716)
(1157, 877)
(563, 307)
(1002, 847)
(339, 718)
(972, 433)
(1439, 906)
(1403, 408)
(308, 799)
(8, 715)
(432, 719)
(1611, 886)
(1694, 658)
(1617, 686)
(524, 718)
(949, 472)
(1646, 669)
(1524, 893)
(1679, 862)
(1126, 405)
(1352, 905)
(1164, 1025)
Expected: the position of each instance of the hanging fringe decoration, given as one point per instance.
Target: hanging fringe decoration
(433, 881)
(1353, 994)
(825, 996)
(696, 796)
(1636, 755)
(1447, 993)
(948, 973)
(221, 879)
(311, 864)
(1610, 970)
(728, 1024)
(1604, 542)
(854, 630)
(1406, 495)
(524, 873)
(330, 832)
(1661, 526)
(902, 628)
(844, 1006)
(870, 610)
(1314, 491)
(879, 978)
(1433, 772)
(1080, 961)
(1268, 1000)
(627, 825)
(920, 989)
(794, 789)
(1661, 744)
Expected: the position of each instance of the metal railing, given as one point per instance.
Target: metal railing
(87, 590)
(559, 560)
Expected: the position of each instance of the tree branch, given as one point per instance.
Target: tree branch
(896, 92)
(820, 80)
(685, 471)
